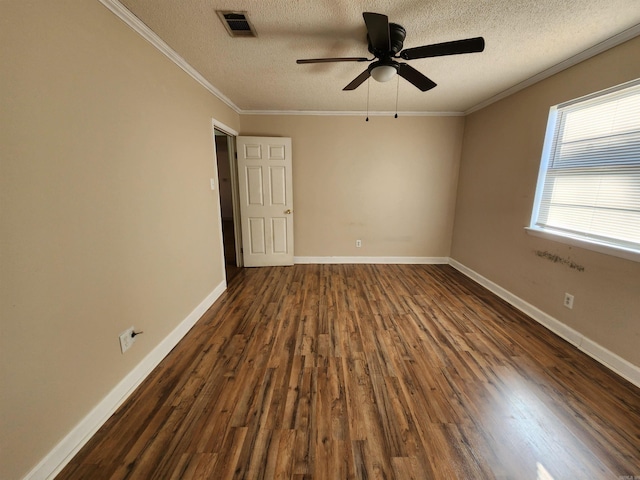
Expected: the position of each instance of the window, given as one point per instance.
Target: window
(588, 190)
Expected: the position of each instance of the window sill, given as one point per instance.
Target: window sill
(626, 253)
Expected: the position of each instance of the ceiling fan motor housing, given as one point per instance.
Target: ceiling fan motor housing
(397, 34)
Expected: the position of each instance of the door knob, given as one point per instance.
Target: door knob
(287, 211)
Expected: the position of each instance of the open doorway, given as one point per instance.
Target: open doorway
(230, 214)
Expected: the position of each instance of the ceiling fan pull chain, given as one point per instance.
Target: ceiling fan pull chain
(397, 90)
(368, 87)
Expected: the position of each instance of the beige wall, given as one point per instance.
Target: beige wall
(498, 174)
(107, 219)
(388, 182)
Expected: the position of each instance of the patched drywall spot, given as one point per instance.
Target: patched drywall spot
(552, 257)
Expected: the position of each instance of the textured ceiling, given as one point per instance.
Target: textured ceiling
(523, 38)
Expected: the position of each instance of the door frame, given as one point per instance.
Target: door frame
(231, 135)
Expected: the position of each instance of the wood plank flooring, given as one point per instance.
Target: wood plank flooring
(369, 372)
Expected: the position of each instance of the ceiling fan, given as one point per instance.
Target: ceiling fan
(385, 42)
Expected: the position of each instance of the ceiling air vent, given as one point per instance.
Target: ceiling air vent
(237, 23)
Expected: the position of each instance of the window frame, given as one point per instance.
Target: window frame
(589, 243)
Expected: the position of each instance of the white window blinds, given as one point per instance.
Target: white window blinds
(589, 184)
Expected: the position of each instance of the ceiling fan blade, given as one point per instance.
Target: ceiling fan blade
(378, 30)
(415, 77)
(469, 45)
(359, 80)
(328, 60)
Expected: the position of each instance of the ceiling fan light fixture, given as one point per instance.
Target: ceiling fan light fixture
(383, 73)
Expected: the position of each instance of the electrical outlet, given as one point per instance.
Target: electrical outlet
(358, 243)
(568, 300)
(126, 339)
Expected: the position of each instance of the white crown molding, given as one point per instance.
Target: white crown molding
(596, 351)
(614, 41)
(351, 113)
(64, 451)
(143, 30)
(149, 35)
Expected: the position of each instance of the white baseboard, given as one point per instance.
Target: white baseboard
(596, 351)
(64, 451)
(372, 260)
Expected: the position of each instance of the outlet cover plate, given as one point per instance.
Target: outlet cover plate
(568, 300)
(126, 339)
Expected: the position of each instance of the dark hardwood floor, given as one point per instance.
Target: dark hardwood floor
(369, 372)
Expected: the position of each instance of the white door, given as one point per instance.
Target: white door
(266, 200)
